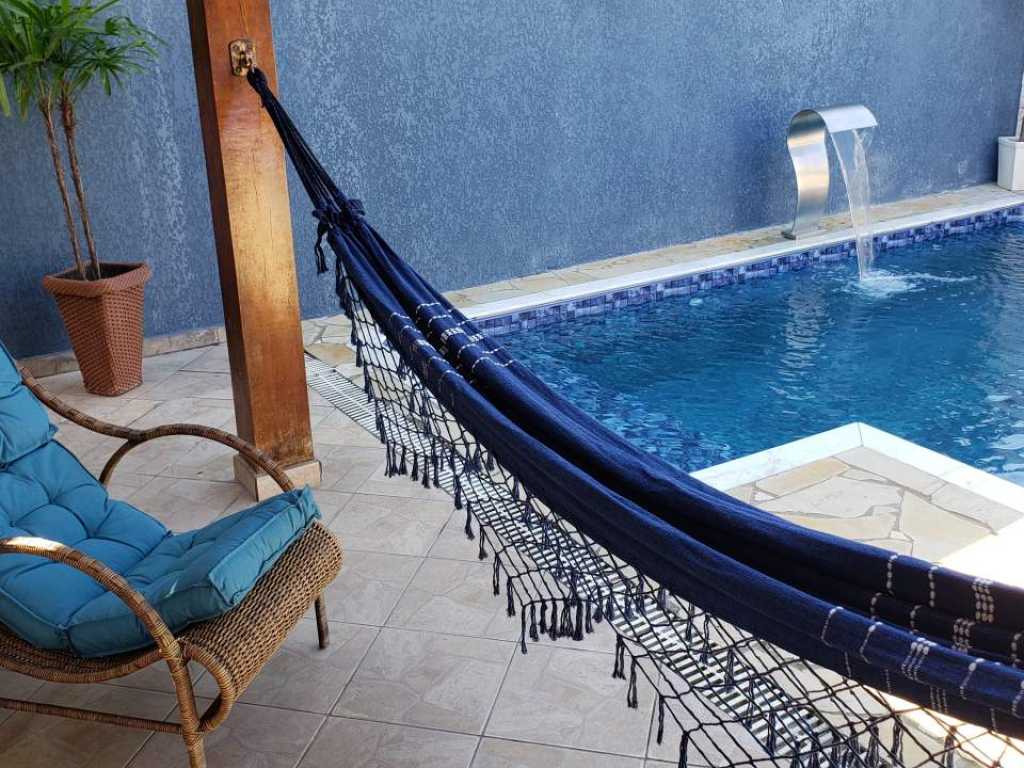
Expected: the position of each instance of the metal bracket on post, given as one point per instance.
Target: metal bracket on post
(809, 153)
(243, 56)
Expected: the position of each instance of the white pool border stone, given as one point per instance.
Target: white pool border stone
(598, 296)
(782, 458)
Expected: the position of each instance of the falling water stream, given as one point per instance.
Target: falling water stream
(851, 148)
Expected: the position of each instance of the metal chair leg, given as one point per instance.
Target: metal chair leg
(322, 630)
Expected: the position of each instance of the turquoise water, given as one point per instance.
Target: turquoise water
(931, 350)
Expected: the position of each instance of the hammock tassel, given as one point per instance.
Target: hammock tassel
(814, 761)
(482, 552)
(526, 519)
(836, 757)
(684, 743)
(897, 742)
(598, 607)
(469, 522)
(632, 699)
(553, 624)
(577, 634)
(873, 748)
(543, 616)
(496, 577)
(751, 703)
(318, 249)
(590, 623)
(533, 622)
(458, 494)
(341, 289)
(566, 629)
(522, 630)
(661, 719)
(949, 751)
(511, 608)
(415, 467)
(403, 468)
(619, 670)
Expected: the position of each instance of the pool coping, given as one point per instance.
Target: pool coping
(688, 277)
(757, 466)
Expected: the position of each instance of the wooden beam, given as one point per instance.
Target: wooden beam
(253, 233)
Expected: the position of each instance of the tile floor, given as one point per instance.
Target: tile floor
(424, 669)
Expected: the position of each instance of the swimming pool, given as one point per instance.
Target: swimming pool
(932, 350)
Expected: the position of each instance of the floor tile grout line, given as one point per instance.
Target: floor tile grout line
(142, 746)
(309, 744)
(399, 724)
(550, 745)
(405, 589)
(494, 704)
(355, 671)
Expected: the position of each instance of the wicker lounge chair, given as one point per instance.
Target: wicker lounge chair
(233, 647)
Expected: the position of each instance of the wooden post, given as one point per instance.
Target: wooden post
(252, 229)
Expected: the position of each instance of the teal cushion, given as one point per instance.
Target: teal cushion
(187, 577)
(24, 425)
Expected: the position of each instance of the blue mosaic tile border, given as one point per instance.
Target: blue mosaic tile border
(571, 309)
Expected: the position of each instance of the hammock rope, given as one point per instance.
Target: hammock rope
(765, 641)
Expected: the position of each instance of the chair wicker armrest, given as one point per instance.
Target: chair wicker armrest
(102, 574)
(136, 437)
(168, 646)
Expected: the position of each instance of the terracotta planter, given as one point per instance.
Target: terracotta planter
(104, 320)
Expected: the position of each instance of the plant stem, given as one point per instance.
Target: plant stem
(46, 107)
(67, 111)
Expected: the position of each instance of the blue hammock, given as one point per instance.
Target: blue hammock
(941, 639)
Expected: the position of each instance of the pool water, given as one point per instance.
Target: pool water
(931, 350)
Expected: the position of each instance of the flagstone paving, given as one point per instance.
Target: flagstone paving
(424, 670)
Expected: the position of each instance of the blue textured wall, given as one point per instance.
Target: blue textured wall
(494, 138)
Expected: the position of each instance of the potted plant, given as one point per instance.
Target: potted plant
(1011, 161)
(50, 53)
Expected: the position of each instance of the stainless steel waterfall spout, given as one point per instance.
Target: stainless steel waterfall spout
(809, 153)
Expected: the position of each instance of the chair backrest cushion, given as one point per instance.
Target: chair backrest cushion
(24, 425)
